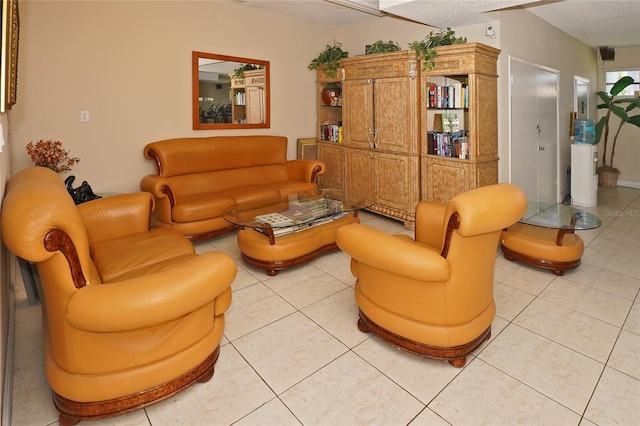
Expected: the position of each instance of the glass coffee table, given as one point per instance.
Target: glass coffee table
(545, 236)
(292, 230)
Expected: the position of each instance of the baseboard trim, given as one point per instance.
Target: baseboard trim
(629, 183)
(7, 386)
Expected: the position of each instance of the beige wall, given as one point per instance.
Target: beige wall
(129, 65)
(627, 156)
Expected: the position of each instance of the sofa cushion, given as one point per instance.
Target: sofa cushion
(287, 187)
(190, 208)
(252, 196)
(124, 255)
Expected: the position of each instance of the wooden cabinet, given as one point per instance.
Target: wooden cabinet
(328, 133)
(248, 97)
(472, 67)
(380, 121)
(384, 155)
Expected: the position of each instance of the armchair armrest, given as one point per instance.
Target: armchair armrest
(395, 255)
(117, 215)
(305, 169)
(160, 187)
(430, 225)
(151, 299)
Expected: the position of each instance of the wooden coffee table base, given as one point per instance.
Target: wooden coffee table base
(557, 268)
(273, 267)
(276, 254)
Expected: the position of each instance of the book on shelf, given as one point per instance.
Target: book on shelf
(448, 144)
(447, 96)
(331, 131)
(240, 98)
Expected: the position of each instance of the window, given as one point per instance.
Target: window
(611, 76)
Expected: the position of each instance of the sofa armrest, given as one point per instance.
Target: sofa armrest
(389, 253)
(154, 298)
(305, 169)
(160, 187)
(117, 215)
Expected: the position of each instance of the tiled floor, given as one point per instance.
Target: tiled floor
(564, 351)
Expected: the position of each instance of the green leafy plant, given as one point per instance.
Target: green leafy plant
(616, 107)
(425, 48)
(239, 72)
(382, 47)
(329, 59)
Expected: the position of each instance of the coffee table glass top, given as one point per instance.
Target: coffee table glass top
(297, 212)
(558, 216)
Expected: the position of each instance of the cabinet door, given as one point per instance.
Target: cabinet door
(359, 174)
(332, 155)
(395, 106)
(397, 183)
(255, 105)
(357, 113)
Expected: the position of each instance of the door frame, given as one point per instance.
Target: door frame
(576, 81)
(511, 60)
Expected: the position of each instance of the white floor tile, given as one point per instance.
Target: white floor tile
(580, 332)
(561, 374)
(234, 391)
(616, 400)
(286, 351)
(588, 300)
(482, 394)
(350, 391)
(626, 355)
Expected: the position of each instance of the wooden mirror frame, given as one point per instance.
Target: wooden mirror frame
(197, 125)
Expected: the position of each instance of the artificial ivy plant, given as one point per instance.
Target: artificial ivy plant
(239, 72)
(425, 48)
(329, 59)
(382, 47)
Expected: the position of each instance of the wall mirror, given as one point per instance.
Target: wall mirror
(230, 92)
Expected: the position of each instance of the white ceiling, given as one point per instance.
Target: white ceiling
(595, 22)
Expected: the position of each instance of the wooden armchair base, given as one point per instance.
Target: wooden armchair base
(456, 356)
(72, 412)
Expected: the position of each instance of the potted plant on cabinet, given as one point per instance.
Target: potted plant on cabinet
(381, 47)
(329, 59)
(425, 48)
(607, 173)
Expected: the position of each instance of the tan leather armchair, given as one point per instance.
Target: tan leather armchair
(433, 296)
(131, 316)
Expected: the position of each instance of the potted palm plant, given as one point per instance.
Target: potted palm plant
(620, 107)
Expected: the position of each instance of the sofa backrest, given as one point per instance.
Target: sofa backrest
(175, 157)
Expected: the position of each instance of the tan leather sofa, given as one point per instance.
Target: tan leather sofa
(130, 315)
(433, 295)
(199, 180)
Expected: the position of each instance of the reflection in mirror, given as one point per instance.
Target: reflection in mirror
(229, 92)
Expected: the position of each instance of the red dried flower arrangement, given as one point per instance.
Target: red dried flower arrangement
(50, 154)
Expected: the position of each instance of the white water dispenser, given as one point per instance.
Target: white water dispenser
(584, 179)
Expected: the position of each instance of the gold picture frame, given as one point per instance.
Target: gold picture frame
(10, 28)
(307, 148)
